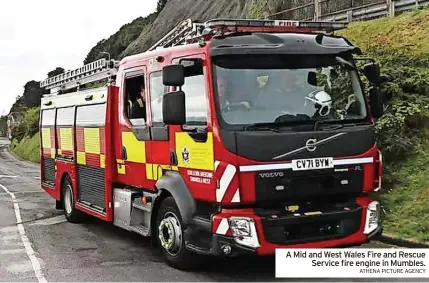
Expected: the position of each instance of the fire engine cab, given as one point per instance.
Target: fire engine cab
(227, 137)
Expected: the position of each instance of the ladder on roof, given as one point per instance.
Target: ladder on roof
(178, 35)
(92, 72)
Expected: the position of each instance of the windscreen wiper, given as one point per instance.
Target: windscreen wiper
(263, 127)
(274, 126)
(338, 124)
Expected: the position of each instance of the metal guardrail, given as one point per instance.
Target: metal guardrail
(381, 8)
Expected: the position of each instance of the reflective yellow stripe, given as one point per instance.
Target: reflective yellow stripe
(149, 172)
(155, 171)
(60, 151)
(102, 161)
(52, 152)
(81, 158)
(46, 138)
(119, 161)
(140, 102)
(92, 140)
(66, 139)
(121, 169)
(136, 150)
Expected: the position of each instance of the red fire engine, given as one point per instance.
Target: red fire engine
(227, 137)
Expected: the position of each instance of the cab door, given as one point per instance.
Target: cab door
(134, 134)
(158, 150)
(192, 143)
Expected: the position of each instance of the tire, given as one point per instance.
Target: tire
(71, 213)
(175, 253)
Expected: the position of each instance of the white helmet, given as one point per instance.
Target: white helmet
(322, 101)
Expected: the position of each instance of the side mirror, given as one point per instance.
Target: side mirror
(312, 78)
(173, 75)
(372, 72)
(173, 108)
(376, 101)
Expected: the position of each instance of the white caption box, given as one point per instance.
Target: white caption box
(352, 263)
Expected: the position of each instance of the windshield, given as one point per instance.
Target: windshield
(270, 89)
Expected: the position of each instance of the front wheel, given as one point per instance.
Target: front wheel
(71, 213)
(170, 238)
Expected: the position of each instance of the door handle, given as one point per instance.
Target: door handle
(173, 158)
(124, 153)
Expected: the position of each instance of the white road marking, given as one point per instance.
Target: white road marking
(50, 221)
(27, 244)
(23, 192)
(7, 176)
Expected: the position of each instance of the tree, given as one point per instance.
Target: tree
(56, 72)
(32, 94)
(160, 5)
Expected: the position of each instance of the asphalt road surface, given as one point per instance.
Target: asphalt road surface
(43, 247)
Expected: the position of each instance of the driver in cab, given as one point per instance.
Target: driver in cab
(227, 96)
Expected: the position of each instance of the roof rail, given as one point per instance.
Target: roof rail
(188, 31)
(250, 25)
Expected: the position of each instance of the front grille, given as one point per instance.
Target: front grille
(295, 228)
(290, 185)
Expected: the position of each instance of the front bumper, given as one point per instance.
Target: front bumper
(352, 230)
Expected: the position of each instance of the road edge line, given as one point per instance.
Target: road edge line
(24, 239)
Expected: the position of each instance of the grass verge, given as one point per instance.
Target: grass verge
(27, 148)
(406, 203)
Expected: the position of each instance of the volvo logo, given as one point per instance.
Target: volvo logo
(311, 145)
(271, 175)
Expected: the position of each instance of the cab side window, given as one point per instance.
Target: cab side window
(195, 97)
(135, 93)
(157, 90)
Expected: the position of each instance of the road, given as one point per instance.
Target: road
(47, 246)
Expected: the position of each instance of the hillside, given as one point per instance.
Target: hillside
(399, 44)
(171, 12)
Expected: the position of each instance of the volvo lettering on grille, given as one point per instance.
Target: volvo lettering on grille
(271, 175)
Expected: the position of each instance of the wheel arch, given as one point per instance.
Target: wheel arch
(59, 203)
(172, 184)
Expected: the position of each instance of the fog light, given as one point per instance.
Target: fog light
(372, 221)
(244, 231)
(226, 249)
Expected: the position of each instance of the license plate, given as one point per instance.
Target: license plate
(312, 164)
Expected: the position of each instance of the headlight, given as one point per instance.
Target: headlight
(240, 227)
(244, 231)
(372, 221)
